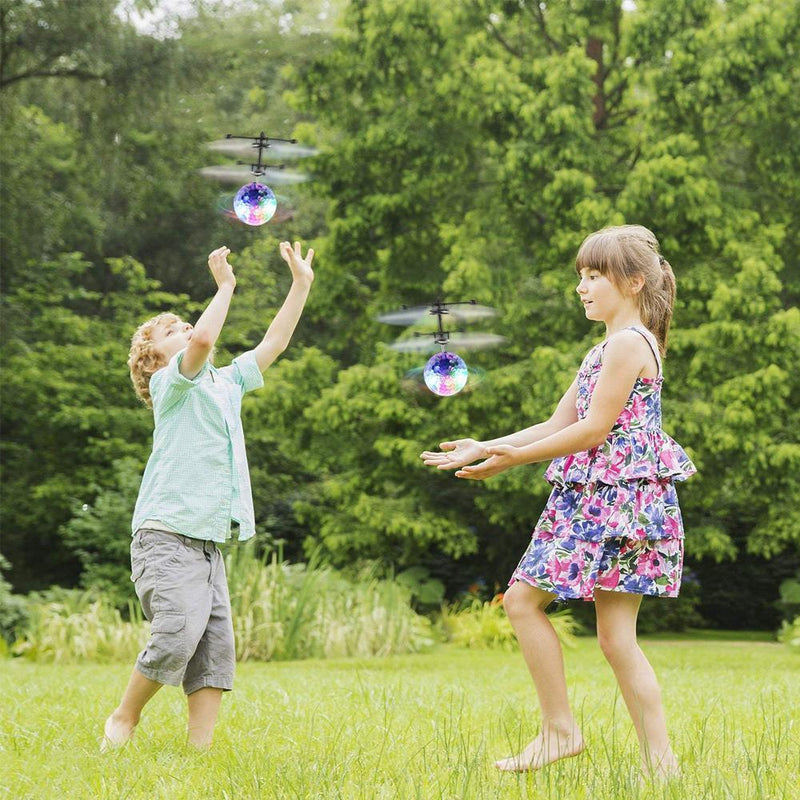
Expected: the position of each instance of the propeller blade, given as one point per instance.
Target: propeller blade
(460, 313)
(244, 149)
(473, 341)
(470, 313)
(282, 177)
(455, 343)
(404, 316)
(242, 174)
(416, 345)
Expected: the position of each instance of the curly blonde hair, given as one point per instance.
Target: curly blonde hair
(144, 359)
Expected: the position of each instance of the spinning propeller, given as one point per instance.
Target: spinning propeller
(446, 373)
(255, 203)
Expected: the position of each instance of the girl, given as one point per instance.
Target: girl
(611, 530)
(196, 482)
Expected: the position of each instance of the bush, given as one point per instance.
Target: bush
(789, 603)
(789, 634)
(280, 611)
(69, 625)
(13, 611)
(100, 536)
(291, 611)
(658, 614)
(482, 625)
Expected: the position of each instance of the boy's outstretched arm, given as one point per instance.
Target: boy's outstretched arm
(208, 327)
(279, 333)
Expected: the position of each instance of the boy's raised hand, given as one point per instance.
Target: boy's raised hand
(220, 268)
(300, 267)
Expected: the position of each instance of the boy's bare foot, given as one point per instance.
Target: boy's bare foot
(117, 732)
(546, 748)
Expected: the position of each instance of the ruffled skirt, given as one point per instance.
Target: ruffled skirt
(625, 537)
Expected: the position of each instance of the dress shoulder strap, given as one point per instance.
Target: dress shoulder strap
(651, 340)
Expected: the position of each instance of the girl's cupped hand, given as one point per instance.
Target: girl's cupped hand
(500, 458)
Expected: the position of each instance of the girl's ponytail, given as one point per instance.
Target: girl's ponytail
(656, 301)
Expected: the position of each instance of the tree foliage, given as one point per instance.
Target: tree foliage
(467, 148)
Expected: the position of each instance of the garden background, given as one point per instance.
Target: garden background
(466, 149)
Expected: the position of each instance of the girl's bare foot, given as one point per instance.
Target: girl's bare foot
(660, 770)
(117, 732)
(549, 746)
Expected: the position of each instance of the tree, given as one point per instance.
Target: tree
(68, 410)
(568, 119)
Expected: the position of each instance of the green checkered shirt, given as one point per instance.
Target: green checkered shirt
(196, 480)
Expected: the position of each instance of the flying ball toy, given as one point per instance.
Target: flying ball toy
(445, 374)
(255, 204)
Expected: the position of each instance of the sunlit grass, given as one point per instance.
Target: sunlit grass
(417, 726)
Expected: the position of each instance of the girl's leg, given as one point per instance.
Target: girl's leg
(119, 726)
(203, 709)
(560, 736)
(616, 633)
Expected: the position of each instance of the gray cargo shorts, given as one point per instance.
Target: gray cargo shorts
(181, 585)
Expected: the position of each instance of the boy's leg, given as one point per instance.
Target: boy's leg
(616, 633)
(210, 670)
(119, 726)
(203, 710)
(171, 577)
(560, 736)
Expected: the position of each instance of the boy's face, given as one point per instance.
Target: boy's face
(170, 337)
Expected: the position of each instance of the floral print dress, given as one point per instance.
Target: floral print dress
(612, 520)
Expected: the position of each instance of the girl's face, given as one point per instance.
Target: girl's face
(601, 299)
(172, 337)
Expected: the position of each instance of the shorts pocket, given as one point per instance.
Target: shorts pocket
(137, 568)
(168, 622)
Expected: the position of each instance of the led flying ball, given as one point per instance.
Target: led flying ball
(445, 374)
(255, 204)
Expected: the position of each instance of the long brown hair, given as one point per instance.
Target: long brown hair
(623, 252)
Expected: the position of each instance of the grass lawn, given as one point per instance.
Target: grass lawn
(425, 726)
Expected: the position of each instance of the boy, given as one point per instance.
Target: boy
(195, 483)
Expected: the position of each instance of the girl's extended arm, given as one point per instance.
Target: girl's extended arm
(279, 333)
(564, 415)
(208, 327)
(623, 359)
(461, 452)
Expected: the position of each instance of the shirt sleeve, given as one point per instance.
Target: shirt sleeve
(244, 371)
(168, 386)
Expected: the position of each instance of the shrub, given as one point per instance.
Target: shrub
(13, 611)
(789, 603)
(789, 634)
(68, 625)
(280, 611)
(289, 611)
(481, 625)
